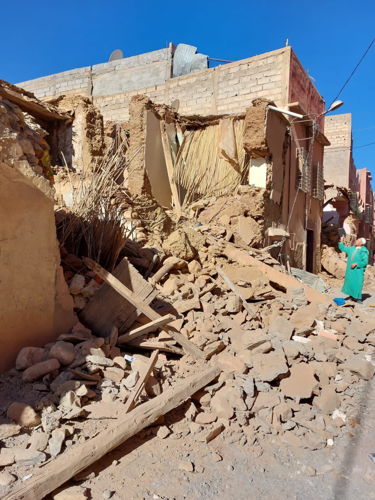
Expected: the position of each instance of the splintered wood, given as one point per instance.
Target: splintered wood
(131, 297)
(107, 308)
(132, 400)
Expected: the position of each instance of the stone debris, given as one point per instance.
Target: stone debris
(72, 493)
(6, 478)
(186, 466)
(56, 441)
(301, 382)
(289, 366)
(38, 370)
(23, 414)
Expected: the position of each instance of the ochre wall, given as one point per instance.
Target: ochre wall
(28, 265)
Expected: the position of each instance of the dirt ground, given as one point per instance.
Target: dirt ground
(148, 467)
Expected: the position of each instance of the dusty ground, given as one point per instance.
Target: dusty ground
(148, 467)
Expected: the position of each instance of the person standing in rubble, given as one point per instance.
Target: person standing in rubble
(357, 260)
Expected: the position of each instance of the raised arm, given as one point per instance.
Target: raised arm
(343, 248)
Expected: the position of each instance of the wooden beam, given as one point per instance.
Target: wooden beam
(170, 169)
(147, 328)
(30, 104)
(149, 345)
(168, 265)
(132, 399)
(235, 290)
(141, 306)
(75, 459)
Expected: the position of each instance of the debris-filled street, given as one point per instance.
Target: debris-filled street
(187, 287)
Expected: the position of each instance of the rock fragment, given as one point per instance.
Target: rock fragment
(28, 356)
(6, 478)
(360, 366)
(23, 414)
(56, 441)
(269, 366)
(301, 382)
(40, 369)
(186, 466)
(64, 352)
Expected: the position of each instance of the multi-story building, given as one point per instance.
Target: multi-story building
(349, 195)
(366, 197)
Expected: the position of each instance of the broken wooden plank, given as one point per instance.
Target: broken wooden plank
(30, 104)
(147, 328)
(75, 459)
(235, 290)
(107, 309)
(149, 345)
(132, 399)
(141, 306)
(168, 265)
(170, 169)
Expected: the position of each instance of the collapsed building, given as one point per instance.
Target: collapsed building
(178, 219)
(194, 89)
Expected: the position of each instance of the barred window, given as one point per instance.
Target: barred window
(318, 181)
(303, 170)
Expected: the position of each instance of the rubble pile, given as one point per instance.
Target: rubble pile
(290, 366)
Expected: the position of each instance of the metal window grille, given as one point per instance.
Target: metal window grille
(304, 171)
(318, 182)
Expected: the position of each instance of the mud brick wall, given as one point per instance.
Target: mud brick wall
(227, 88)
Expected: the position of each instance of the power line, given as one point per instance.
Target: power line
(364, 145)
(354, 70)
(354, 147)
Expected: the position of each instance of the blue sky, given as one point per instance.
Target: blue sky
(43, 37)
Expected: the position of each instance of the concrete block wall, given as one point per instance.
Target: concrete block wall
(224, 89)
(228, 88)
(108, 78)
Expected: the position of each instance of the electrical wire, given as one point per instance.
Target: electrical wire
(354, 70)
(354, 147)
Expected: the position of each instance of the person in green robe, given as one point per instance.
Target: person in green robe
(355, 268)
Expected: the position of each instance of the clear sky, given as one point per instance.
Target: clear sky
(43, 37)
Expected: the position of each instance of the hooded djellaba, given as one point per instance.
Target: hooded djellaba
(357, 256)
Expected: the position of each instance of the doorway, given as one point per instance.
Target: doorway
(310, 251)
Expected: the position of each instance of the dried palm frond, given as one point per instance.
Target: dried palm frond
(94, 223)
(201, 171)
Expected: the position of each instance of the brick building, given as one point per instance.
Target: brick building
(226, 89)
(366, 197)
(354, 197)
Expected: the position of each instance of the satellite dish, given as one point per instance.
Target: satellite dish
(116, 54)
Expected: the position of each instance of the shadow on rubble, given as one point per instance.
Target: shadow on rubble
(348, 462)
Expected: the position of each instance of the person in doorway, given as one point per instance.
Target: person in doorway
(358, 256)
